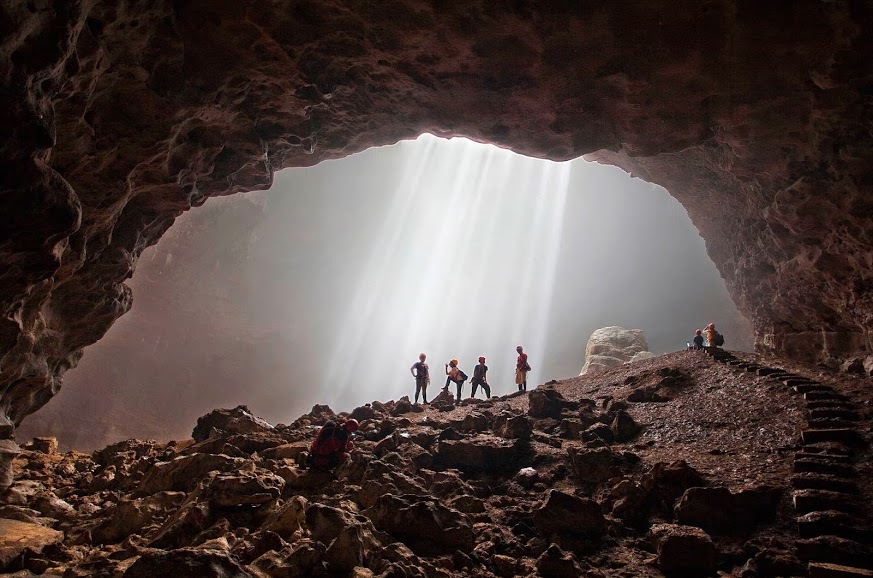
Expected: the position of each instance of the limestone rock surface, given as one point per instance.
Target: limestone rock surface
(611, 346)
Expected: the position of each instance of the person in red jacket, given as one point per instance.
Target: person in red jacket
(521, 369)
(332, 445)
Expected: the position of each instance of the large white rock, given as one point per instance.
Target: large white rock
(611, 346)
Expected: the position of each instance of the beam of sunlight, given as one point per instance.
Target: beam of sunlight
(463, 265)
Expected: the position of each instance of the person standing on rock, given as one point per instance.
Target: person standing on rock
(698, 339)
(521, 369)
(455, 375)
(480, 378)
(421, 372)
(332, 445)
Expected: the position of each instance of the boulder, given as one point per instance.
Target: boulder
(303, 559)
(244, 488)
(285, 451)
(403, 405)
(598, 432)
(123, 451)
(718, 510)
(555, 563)
(287, 518)
(545, 402)
(346, 551)
(423, 523)
(707, 508)
(475, 422)
(131, 516)
(236, 420)
(183, 473)
(483, 453)
(595, 466)
(624, 428)
(326, 522)
(564, 513)
(8, 451)
(188, 562)
(612, 346)
(46, 445)
(364, 412)
(683, 550)
(16, 537)
(667, 483)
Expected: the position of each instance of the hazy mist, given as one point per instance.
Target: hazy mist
(326, 288)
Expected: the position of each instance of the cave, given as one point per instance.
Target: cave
(117, 117)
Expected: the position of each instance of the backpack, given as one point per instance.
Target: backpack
(462, 375)
(719, 339)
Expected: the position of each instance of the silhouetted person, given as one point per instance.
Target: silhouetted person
(521, 369)
(480, 378)
(456, 376)
(332, 445)
(697, 342)
(421, 372)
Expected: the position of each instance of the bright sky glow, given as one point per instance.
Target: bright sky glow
(431, 285)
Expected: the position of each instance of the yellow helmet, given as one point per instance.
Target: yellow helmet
(454, 362)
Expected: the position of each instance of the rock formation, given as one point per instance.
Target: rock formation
(117, 117)
(521, 485)
(611, 346)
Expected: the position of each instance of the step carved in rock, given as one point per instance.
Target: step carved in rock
(811, 481)
(823, 467)
(842, 435)
(833, 412)
(813, 387)
(806, 501)
(832, 457)
(830, 404)
(835, 550)
(824, 396)
(832, 523)
(825, 570)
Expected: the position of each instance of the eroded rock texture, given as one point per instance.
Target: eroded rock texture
(118, 116)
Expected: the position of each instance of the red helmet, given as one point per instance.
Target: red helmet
(519, 347)
(697, 331)
(351, 425)
(481, 359)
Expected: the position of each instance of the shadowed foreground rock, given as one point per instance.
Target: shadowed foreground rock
(435, 493)
(117, 117)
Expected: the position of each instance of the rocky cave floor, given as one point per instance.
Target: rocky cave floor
(685, 465)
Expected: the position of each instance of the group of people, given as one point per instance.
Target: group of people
(709, 337)
(421, 372)
(333, 443)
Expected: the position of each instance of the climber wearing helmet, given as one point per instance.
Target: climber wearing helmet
(698, 339)
(332, 445)
(421, 373)
(521, 369)
(711, 334)
(480, 377)
(455, 375)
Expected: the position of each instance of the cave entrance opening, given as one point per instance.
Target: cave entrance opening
(325, 288)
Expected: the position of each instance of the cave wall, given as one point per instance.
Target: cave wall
(116, 117)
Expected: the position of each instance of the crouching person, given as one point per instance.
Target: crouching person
(332, 445)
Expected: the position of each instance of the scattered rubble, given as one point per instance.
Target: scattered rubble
(571, 479)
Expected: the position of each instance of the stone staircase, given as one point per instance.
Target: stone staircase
(833, 524)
